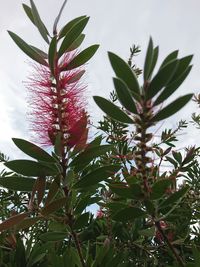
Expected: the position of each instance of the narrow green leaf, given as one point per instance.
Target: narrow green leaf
(72, 35)
(154, 60)
(172, 108)
(121, 190)
(172, 87)
(58, 17)
(32, 150)
(12, 221)
(17, 183)
(129, 214)
(27, 49)
(97, 176)
(53, 236)
(112, 110)
(159, 188)
(124, 95)
(52, 53)
(169, 58)
(82, 58)
(161, 79)
(27, 222)
(81, 221)
(28, 12)
(69, 25)
(148, 60)
(76, 43)
(40, 52)
(172, 199)
(76, 77)
(90, 153)
(38, 22)
(53, 206)
(124, 72)
(31, 168)
(53, 190)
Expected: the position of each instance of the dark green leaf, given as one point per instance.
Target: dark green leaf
(42, 53)
(171, 88)
(52, 53)
(38, 22)
(161, 79)
(159, 188)
(124, 72)
(27, 222)
(32, 150)
(172, 108)
(124, 95)
(148, 60)
(172, 199)
(69, 25)
(154, 61)
(31, 168)
(76, 43)
(128, 214)
(96, 176)
(169, 58)
(72, 35)
(12, 221)
(53, 236)
(28, 11)
(81, 221)
(17, 183)
(54, 206)
(27, 49)
(121, 190)
(112, 110)
(76, 77)
(82, 58)
(90, 153)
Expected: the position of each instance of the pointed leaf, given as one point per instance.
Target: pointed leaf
(28, 11)
(76, 77)
(27, 222)
(72, 35)
(38, 22)
(148, 60)
(124, 95)
(40, 52)
(90, 153)
(129, 214)
(171, 88)
(53, 190)
(69, 25)
(53, 236)
(31, 168)
(12, 221)
(112, 110)
(161, 79)
(76, 43)
(124, 72)
(53, 206)
(169, 58)
(172, 108)
(82, 58)
(58, 17)
(81, 221)
(17, 183)
(159, 188)
(154, 60)
(32, 150)
(97, 176)
(27, 49)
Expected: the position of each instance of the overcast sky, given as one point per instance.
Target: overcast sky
(115, 25)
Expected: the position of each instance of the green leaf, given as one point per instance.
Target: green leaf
(171, 88)
(112, 110)
(98, 175)
(124, 72)
(76, 77)
(90, 153)
(76, 43)
(38, 22)
(28, 11)
(82, 58)
(154, 60)
(161, 79)
(12, 221)
(27, 222)
(17, 183)
(172, 108)
(58, 17)
(52, 53)
(31, 168)
(69, 25)
(53, 236)
(124, 95)
(169, 58)
(129, 214)
(32, 150)
(172, 199)
(81, 221)
(121, 190)
(40, 52)
(54, 206)
(53, 190)
(27, 49)
(72, 35)
(148, 60)
(159, 188)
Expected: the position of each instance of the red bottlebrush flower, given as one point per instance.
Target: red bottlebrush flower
(58, 104)
(100, 214)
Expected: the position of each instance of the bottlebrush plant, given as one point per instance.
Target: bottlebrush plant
(145, 216)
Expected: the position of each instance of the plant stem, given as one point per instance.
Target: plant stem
(165, 238)
(78, 246)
